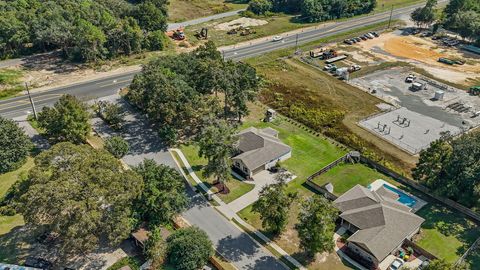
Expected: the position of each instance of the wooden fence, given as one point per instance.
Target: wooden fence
(419, 249)
(415, 185)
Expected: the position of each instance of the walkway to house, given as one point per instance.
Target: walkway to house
(225, 210)
(340, 253)
(260, 180)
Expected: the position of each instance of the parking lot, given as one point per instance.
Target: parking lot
(421, 116)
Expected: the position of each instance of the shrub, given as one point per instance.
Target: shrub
(117, 146)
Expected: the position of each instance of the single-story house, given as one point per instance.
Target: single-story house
(378, 222)
(259, 149)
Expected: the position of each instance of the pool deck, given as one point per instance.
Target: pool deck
(379, 183)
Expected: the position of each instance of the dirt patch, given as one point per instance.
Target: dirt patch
(241, 22)
(423, 53)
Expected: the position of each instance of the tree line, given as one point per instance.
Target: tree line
(460, 16)
(451, 168)
(314, 10)
(85, 30)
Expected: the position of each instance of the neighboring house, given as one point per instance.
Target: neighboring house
(378, 222)
(260, 149)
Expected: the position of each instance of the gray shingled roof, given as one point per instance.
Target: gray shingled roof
(260, 146)
(382, 221)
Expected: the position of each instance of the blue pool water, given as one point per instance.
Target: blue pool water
(404, 198)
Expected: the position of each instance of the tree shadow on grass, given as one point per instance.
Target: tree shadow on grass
(450, 224)
(15, 245)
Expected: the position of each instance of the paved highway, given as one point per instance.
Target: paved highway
(19, 106)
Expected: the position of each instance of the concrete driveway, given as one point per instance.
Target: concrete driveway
(260, 180)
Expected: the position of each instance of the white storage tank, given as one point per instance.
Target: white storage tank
(439, 95)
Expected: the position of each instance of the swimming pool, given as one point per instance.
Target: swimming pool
(404, 198)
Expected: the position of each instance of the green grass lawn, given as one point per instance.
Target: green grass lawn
(7, 179)
(12, 242)
(345, 176)
(237, 187)
(447, 234)
(10, 83)
(310, 152)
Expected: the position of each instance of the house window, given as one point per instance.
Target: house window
(245, 170)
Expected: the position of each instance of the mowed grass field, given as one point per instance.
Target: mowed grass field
(183, 10)
(345, 176)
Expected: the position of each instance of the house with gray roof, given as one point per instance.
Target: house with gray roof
(259, 149)
(378, 222)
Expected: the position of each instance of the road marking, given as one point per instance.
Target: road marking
(115, 82)
(20, 103)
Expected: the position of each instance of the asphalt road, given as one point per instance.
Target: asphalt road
(173, 26)
(19, 106)
(231, 242)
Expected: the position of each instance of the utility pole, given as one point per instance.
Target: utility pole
(31, 102)
(296, 44)
(390, 20)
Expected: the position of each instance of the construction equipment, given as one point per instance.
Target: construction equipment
(247, 31)
(329, 54)
(445, 61)
(177, 34)
(335, 59)
(202, 34)
(410, 78)
(317, 52)
(475, 90)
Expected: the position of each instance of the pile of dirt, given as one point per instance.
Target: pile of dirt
(241, 22)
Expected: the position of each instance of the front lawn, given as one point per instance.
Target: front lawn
(345, 176)
(447, 234)
(237, 187)
(12, 240)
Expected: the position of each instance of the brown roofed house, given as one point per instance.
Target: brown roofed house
(260, 149)
(379, 223)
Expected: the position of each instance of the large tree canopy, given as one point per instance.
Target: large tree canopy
(163, 195)
(451, 167)
(67, 120)
(273, 204)
(14, 145)
(184, 85)
(79, 194)
(316, 225)
(189, 249)
(85, 30)
(463, 16)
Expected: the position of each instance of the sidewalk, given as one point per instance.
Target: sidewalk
(340, 253)
(225, 210)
